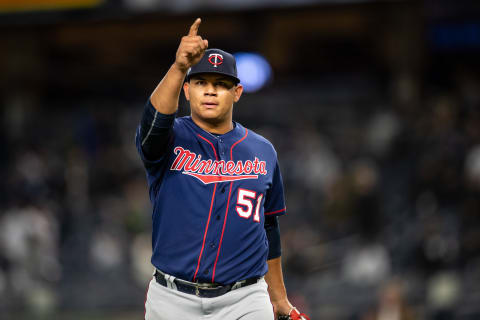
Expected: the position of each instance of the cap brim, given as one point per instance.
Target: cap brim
(237, 81)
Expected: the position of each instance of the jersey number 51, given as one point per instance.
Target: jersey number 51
(245, 203)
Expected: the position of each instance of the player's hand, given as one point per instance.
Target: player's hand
(191, 48)
(281, 307)
(294, 314)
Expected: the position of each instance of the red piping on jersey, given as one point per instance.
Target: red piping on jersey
(226, 211)
(209, 213)
(273, 212)
(233, 146)
(214, 152)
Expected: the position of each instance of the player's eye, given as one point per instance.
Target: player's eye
(223, 84)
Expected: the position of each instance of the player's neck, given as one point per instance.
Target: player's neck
(214, 127)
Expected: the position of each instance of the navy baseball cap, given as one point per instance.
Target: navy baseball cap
(215, 61)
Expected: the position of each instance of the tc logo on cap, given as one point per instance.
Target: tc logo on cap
(215, 59)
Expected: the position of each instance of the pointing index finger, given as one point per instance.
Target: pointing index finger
(194, 28)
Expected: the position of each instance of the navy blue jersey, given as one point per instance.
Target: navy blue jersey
(210, 195)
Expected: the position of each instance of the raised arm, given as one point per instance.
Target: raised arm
(191, 49)
(155, 127)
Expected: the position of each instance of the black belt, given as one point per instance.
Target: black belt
(202, 290)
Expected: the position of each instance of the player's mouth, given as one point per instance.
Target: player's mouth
(209, 104)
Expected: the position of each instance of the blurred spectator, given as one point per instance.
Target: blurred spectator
(443, 295)
(391, 304)
(367, 264)
(29, 242)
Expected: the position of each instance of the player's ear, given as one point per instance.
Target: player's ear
(186, 85)
(238, 92)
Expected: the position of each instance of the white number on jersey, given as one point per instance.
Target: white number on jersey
(245, 201)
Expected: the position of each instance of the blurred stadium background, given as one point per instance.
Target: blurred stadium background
(373, 106)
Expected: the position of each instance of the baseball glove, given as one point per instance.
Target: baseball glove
(294, 315)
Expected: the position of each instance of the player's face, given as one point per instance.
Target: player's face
(211, 98)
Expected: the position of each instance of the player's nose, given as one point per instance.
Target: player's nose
(210, 89)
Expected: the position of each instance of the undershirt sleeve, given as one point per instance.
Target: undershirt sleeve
(154, 132)
(272, 230)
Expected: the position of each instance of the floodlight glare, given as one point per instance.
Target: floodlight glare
(253, 70)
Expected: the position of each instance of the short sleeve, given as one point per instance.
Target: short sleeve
(275, 198)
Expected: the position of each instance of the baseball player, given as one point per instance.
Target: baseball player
(216, 192)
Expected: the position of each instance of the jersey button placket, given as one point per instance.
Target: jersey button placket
(221, 149)
(208, 251)
(215, 228)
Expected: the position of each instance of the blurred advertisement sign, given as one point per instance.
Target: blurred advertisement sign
(7, 6)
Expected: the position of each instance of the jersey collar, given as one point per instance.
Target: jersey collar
(236, 133)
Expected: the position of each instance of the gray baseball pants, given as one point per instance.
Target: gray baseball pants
(248, 303)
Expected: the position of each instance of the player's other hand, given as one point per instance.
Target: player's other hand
(281, 307)
(191, 48)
